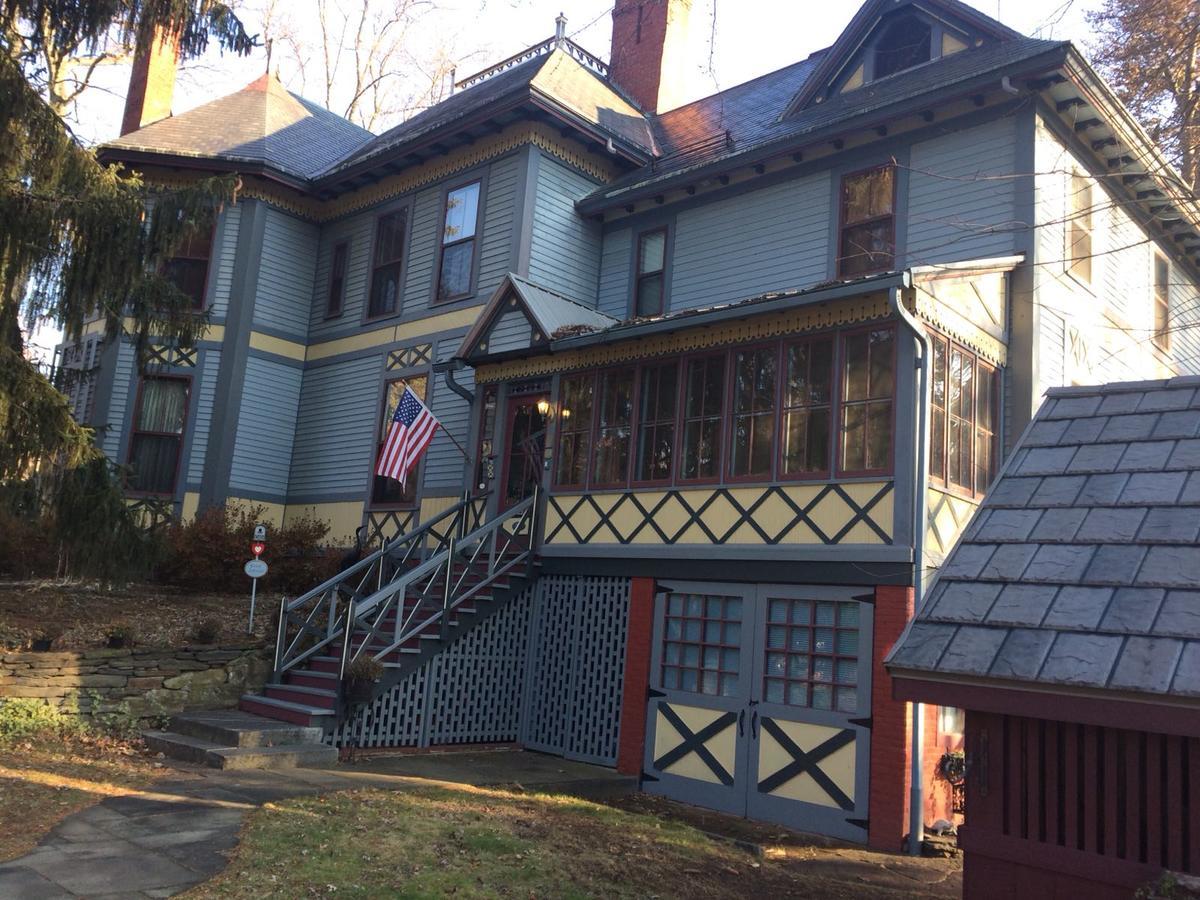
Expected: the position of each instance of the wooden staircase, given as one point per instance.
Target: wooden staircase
(401, 605)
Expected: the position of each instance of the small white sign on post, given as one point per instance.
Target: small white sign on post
(256, 569)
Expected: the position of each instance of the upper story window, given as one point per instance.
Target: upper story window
(703, 414)
(1162, 303)
(1079, 227)
(459, 228)
(651, 265)
(906, 42)
(963, 418)
(867, 241)
(337, 280)
(868, 384)
(614, 427)
(575, 429)
(390, 233)
(188, 268)
(157, 438)
(387, 491)
(806, 405)
(754, 383)
(656, 422)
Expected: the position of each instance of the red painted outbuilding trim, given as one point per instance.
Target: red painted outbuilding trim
(632, 744)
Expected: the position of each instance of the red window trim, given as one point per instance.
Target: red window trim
(330, 311)
(729, 415)
(638, 274)
(417, 471)
(940, 479)
(135, 431)
(842, 225)
(443, 243)
(831, 445)
(840, 406)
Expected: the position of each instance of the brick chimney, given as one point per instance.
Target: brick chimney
(152, 82)
(649, 49)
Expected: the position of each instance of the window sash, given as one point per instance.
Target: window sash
(386, 289)
(337, 280)
(1162, 304)
(650, 286)
(964, 411)
(613, 428)
(867, 235)
(702, 419)
(658, 402)
(386, 492)
(752, 435)
(157, 438)
(868, 386)
(460, 230)
(576, 395)
(1079, 228)
(806, 403)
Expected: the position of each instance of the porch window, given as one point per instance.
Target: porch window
(651, 265)
(389, 257)
(188, 268)
(869, 362)
(702, 646)
(614, 426)
(1079, 227)
(337, 280)
(1162, 304)
(158, 435)
(656, 422)
(807, 404)
(703, 409)
(754, 384)
(387, 491)
(905, 43)
(574, 429)
(963, 417)
(458, 242)
(867, 241)
(812, 654)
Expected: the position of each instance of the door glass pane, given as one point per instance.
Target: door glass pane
(526, 443)
(701, 651)
(809, 645)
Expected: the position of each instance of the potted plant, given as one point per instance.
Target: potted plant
(119, 636)
(952, 767)
(362, 676)
(46, 638)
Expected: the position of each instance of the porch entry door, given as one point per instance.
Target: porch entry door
(759, 703)
(524, 447)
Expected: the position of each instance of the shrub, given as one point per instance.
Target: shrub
(205, 632)
(365, 669)
(120, 635)
(28, 718)
(208, 552)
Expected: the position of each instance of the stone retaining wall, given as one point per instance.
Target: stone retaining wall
(137, 683)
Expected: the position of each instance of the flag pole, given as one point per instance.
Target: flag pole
(446, 432)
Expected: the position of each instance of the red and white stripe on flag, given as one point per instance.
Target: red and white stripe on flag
(412, 428)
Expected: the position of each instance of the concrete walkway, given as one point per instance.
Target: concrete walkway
(179, 832)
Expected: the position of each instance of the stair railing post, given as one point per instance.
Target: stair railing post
(533, 518)
(446, 594)
(280, 635)
(347, 632)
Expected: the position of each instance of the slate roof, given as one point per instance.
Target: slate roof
(1082, 567)
(262, 123)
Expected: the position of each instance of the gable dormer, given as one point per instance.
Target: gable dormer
(887, 38)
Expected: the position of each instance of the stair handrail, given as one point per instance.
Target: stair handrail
(353, 581)
(522, 516)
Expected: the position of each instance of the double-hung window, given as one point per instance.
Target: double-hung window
(868, 383)
(459, 227)
(387, 491)
(657, 403)
(867, 240)
(390, 232)
(963, 415)
(1162, 304)
(806, 404)
(651, 268)
(703, 411)
(158, 434)
(575, 429)
(1079, 227)
(754, 383)
(337, 280)
(188, 268)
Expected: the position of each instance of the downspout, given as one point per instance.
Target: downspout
(916, 798)
(448, 369)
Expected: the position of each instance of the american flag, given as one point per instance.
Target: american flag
(412, 429)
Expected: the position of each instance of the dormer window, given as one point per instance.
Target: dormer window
(906, 42)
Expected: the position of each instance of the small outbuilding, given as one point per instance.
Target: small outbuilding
(1066, 623)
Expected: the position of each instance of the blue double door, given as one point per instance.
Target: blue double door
(760, 703)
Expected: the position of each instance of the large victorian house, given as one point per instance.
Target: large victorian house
(729, 375)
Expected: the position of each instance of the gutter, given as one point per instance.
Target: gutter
(916, 801)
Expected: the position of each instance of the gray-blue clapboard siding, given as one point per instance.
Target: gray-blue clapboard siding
(335, 428)
(220, 270)
(612, 295)
(511, 331)
(285, 279)
(123, 391)
(444, 464)
(262, 450)
(205, 387)
(499, 219)
(564, 251)
(962, 196)
(767, 240)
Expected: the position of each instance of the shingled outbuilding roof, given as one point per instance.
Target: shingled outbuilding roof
(1081, 570)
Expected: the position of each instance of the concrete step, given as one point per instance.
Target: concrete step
(235, 728)
(207, 753)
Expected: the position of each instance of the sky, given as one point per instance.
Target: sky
(748, 38)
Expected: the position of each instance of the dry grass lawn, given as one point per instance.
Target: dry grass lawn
(44, 780)
(468, 842)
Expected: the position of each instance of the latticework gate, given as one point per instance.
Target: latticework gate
(576, 667)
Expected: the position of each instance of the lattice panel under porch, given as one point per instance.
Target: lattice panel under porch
(394, 720)
(577, 666)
